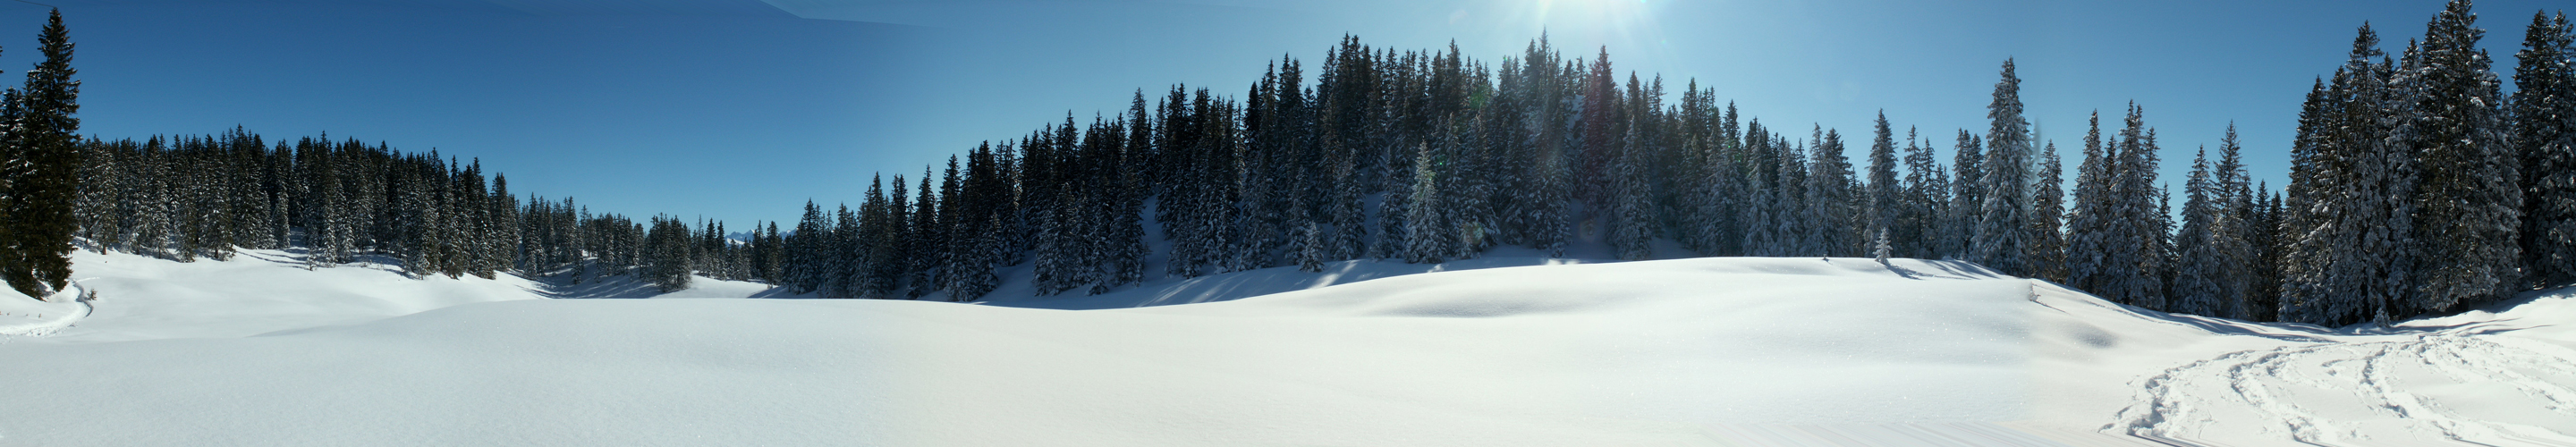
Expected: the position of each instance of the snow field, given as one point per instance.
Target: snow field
(1501, 350)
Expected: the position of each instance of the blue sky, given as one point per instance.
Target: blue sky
(741, 110)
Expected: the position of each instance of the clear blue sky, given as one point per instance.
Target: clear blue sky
(742, 109)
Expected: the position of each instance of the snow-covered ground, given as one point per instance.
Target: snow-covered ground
(1502, 350)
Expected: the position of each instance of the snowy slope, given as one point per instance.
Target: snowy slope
(1495, 351)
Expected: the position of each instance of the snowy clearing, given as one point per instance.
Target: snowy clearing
(1493, 351)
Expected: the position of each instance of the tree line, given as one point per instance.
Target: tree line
(2416, 186)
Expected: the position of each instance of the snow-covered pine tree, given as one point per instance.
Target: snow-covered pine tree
(928, 242)
(1880, 248)
(2304, 256)
(1724, 193)
(2003, 230)
(845, 271)
(2544, 132)
(807, 252)
(2263, 297)
(1630, 213)
(43, 136)
(1345, 211)
(2232, 231)
(1554, 192)
(1926, 196)
(1833, 216)
(2133, 233)
(669, 242)
(2200, 266)
(1887, 201)
(2047, 250)
(506, 249)
(1395, 208)
(1761, 211)
(1124, 242)
(1468, 188)
(1430, 239)
(1967, 197)
(2469, 215)
(1309, 247)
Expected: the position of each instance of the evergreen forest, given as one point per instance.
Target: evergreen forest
(2417, 185)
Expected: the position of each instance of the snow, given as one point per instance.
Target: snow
(1501, 350)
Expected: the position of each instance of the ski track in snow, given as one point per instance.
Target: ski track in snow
(2393, 382)
(48, 326)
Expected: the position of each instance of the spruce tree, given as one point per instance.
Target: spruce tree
(929, 238)
(2544, 132)
(42, 134)
(1310, 248)
(1887, 205)
(2200, 270)
(2003, 231)
(2235, 231)
(2469, 215)
(2047, 250)
(1429, 239)
(1630, 229)
(1967, 197)
(808, 252)
(1926, 196)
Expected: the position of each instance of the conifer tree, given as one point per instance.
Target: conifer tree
(2198, 276)
(1309, 247)
(1926, 196)
(2047, 250)
(1967, 197)
(2544, 132)
(2469, 213)
(2234, 234)
(1430, 240)
(928, 242)
(1630, 227)
(41, 135)
(2003, 231)
(1832, 217)
(1887, 201)
(669, 242)
(808, 251)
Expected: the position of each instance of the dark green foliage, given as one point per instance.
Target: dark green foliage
(42, 160)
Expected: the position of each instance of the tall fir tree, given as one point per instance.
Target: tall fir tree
(2003, 231)
(2200, 268)
(1832, 218)
(2544, 133)
(1927, 192)
(1967, 197)
(2047, 250)
(2469, 203)
(1887, 201)
(42, 135)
